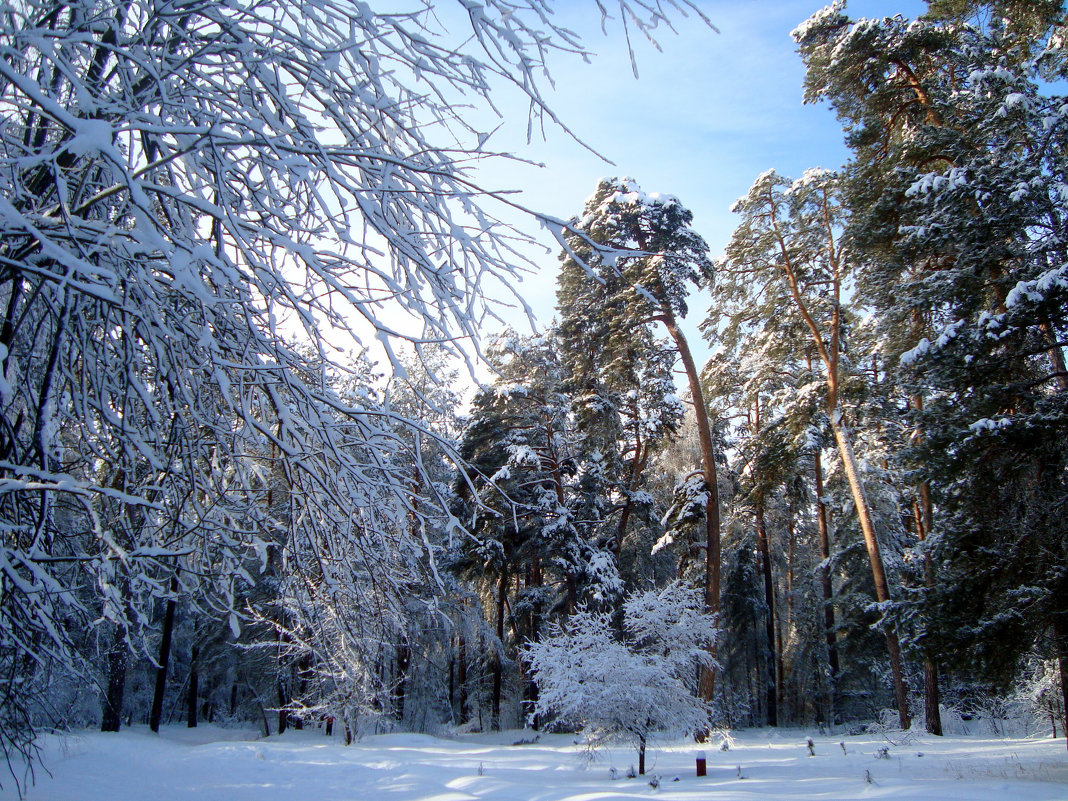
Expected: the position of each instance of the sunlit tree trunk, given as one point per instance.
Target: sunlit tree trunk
(828, 346)
(713, 558)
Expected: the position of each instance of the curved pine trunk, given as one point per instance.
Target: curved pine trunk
(713, 558)
(875, 558)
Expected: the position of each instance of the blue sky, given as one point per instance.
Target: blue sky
(706, 117)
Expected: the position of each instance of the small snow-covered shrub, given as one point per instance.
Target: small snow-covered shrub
(626, 688)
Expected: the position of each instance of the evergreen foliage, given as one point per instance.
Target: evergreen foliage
(958, 208)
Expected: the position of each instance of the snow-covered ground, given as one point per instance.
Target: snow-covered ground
(212, 764)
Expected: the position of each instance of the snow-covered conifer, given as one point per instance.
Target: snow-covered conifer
(643, 249)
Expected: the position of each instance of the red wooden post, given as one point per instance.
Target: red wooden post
(701, 771)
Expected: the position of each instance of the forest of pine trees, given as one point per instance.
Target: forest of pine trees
(855, 511)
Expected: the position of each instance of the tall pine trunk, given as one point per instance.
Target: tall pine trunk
(875, 558)
(498, 661)
(713, 557)
(461, 678)
(828, 345)
(924, 520)
(400, 688)
(193, 691)
(787, 624)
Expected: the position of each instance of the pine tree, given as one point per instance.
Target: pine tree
(642, 249)
(788, 245)
(956, 193)
(760, 379)
(625, 407)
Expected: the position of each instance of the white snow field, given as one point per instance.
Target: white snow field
(213, 764)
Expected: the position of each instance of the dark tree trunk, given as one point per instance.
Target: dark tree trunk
(304, 669)
(1060, 637)
(788, 710)
(780, 687)
(452, 678)
(1056, 355)
(164, 660)
(193, 690)
(641, 756)
(461, 679)
(282, 680)
(572, 592)
(932, 715)
(636, 466)
(283, 703)
(828, 590)
(530, 693)
(400, 690)
(498, 661)
(1062, 663)
(117, 662)
(771, 681)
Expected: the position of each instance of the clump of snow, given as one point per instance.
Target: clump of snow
(629, 193)
(813, 176)
(954, 178)
(642, 498)
(1036, 290)
(918, 351)
(987, 424)
(924, 346)
(819, 18)
(1012, 102)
